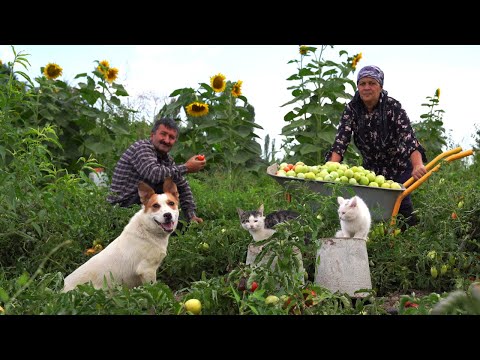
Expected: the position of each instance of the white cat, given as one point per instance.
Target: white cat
(355, 218)
(261, 228)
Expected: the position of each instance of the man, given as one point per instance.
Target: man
(149, 160)
(382, 133)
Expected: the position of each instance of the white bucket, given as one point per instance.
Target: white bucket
(343, 266)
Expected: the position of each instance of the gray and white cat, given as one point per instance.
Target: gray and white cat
(355, 219)
(261, 228)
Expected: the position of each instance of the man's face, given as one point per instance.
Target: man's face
(164, 139)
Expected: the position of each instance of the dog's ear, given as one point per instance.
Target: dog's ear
(170, 187)
(145, 192)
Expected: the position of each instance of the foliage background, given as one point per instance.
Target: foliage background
(54, 134)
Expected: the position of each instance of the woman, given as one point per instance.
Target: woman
(382, 133)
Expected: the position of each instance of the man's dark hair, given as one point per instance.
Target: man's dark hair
(167, 122)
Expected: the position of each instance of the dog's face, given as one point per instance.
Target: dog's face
(162, 209)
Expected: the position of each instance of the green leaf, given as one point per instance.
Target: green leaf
(3, 295)
(305, 72)
(89, 96)
(37, 228)
(23, 279)
(120, 90)
(98, 147)
(115, 100)
(182, 91)
(308, 149)
(120, 129)
(46, 114)
(315, 109)
(217, 138)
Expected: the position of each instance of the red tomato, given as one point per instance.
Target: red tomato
(411, 304)
(254, 286)
(201, 157)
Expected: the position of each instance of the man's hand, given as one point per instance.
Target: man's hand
(194, 165)
(196, 219)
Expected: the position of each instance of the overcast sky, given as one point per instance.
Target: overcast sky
(412, 72)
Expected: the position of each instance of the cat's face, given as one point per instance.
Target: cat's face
(347, 209)
(252, 220)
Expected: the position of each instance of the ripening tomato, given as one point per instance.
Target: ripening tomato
(201, 157)
(306, 294)
(410, 304)
(454, 215)
(254, 286)
(242, 284)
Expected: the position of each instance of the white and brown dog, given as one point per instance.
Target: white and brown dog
(135, 255)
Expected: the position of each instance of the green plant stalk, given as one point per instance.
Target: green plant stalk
(37, 272)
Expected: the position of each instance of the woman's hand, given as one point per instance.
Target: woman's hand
(418, 171)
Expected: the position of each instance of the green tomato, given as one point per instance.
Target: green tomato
(443, 269)
(271, 299)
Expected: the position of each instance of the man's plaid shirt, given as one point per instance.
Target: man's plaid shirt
(141, 161)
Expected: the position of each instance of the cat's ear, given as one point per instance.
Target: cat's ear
(260, 210)
(240, 212)
(353, 202)
(340, 200)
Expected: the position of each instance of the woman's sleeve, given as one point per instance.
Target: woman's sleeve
(408, 142)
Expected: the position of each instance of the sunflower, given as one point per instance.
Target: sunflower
(197, 109)
(1, 63)
(111, 74)
(103, 66)
(437, 93)
(303, 50)
(237, 88)
(355, 60)
(218, 82)
(52, 71)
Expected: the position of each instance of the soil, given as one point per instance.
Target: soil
(392, 300)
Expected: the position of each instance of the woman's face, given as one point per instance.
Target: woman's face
(369, 90)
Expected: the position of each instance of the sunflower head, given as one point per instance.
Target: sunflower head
(218, 83)
(52, 71)
(355, 60)
(437, 93)
(303, 50)
(197, 109)
(237, 88)
(103, 66)
(111, 75)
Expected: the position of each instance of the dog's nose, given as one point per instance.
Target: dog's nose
(167, 216)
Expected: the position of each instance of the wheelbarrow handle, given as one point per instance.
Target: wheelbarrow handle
(426, 176)
(433, 162)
